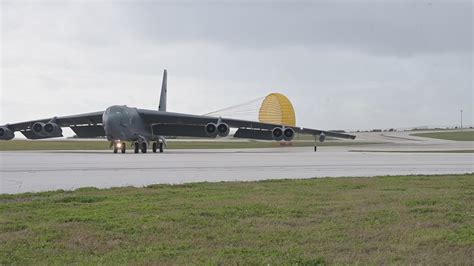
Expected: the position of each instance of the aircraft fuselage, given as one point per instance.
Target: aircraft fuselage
(125, 124)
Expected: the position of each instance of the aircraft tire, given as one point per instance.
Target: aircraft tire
(153, 147)
(161, 147)
(136, 147)
(123, 147)
(143, 147)
(115, 149)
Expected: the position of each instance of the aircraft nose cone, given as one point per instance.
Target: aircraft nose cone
(112, 126)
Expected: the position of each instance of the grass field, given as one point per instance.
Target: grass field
(103, 145)
(450, 135)
(381, 220)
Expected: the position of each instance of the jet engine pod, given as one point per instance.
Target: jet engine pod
(277, 133)
(288, 134)
(6, 133)
(52, 129)
(322, 137)
(211, 130)
(223, 130)
(37, 128)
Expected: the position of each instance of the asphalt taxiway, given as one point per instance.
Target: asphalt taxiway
(50, 170)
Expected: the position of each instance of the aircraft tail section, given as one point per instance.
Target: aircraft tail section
(162, 106)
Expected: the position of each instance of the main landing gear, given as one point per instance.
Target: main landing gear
(157, 146)
(140, 146)
(143, 146)
(136, 147)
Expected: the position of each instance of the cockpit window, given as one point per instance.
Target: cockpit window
(116, 110)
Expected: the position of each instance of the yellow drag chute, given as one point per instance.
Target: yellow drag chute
(276, 108)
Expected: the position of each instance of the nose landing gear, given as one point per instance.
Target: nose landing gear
(119, 146)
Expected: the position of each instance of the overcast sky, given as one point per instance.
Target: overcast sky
(344, 64)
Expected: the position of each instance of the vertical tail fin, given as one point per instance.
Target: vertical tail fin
(162, 106)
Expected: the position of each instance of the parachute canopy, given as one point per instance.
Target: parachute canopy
(276, 108)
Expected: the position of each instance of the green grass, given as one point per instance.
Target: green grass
(382, 220)
(103, 145)
(451, 135)
(416, 151)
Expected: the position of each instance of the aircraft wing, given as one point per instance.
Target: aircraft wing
(84, 125)
(194, 125)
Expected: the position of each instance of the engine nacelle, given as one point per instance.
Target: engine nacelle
(288, 134)
(37, 128)
(211, 130)
(6, 133)
(47, 130)
(322, 137)
(223, 130)
(52, 129)
(277, 133)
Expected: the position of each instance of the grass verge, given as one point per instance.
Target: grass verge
(451, 135)
(103, 145)
(381, 220)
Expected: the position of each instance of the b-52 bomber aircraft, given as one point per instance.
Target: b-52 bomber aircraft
(142, 127)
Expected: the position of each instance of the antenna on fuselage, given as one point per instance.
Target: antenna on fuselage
(162, 106)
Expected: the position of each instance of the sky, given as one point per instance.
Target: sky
(343, 64)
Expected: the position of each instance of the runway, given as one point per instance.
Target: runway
(44, 171)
